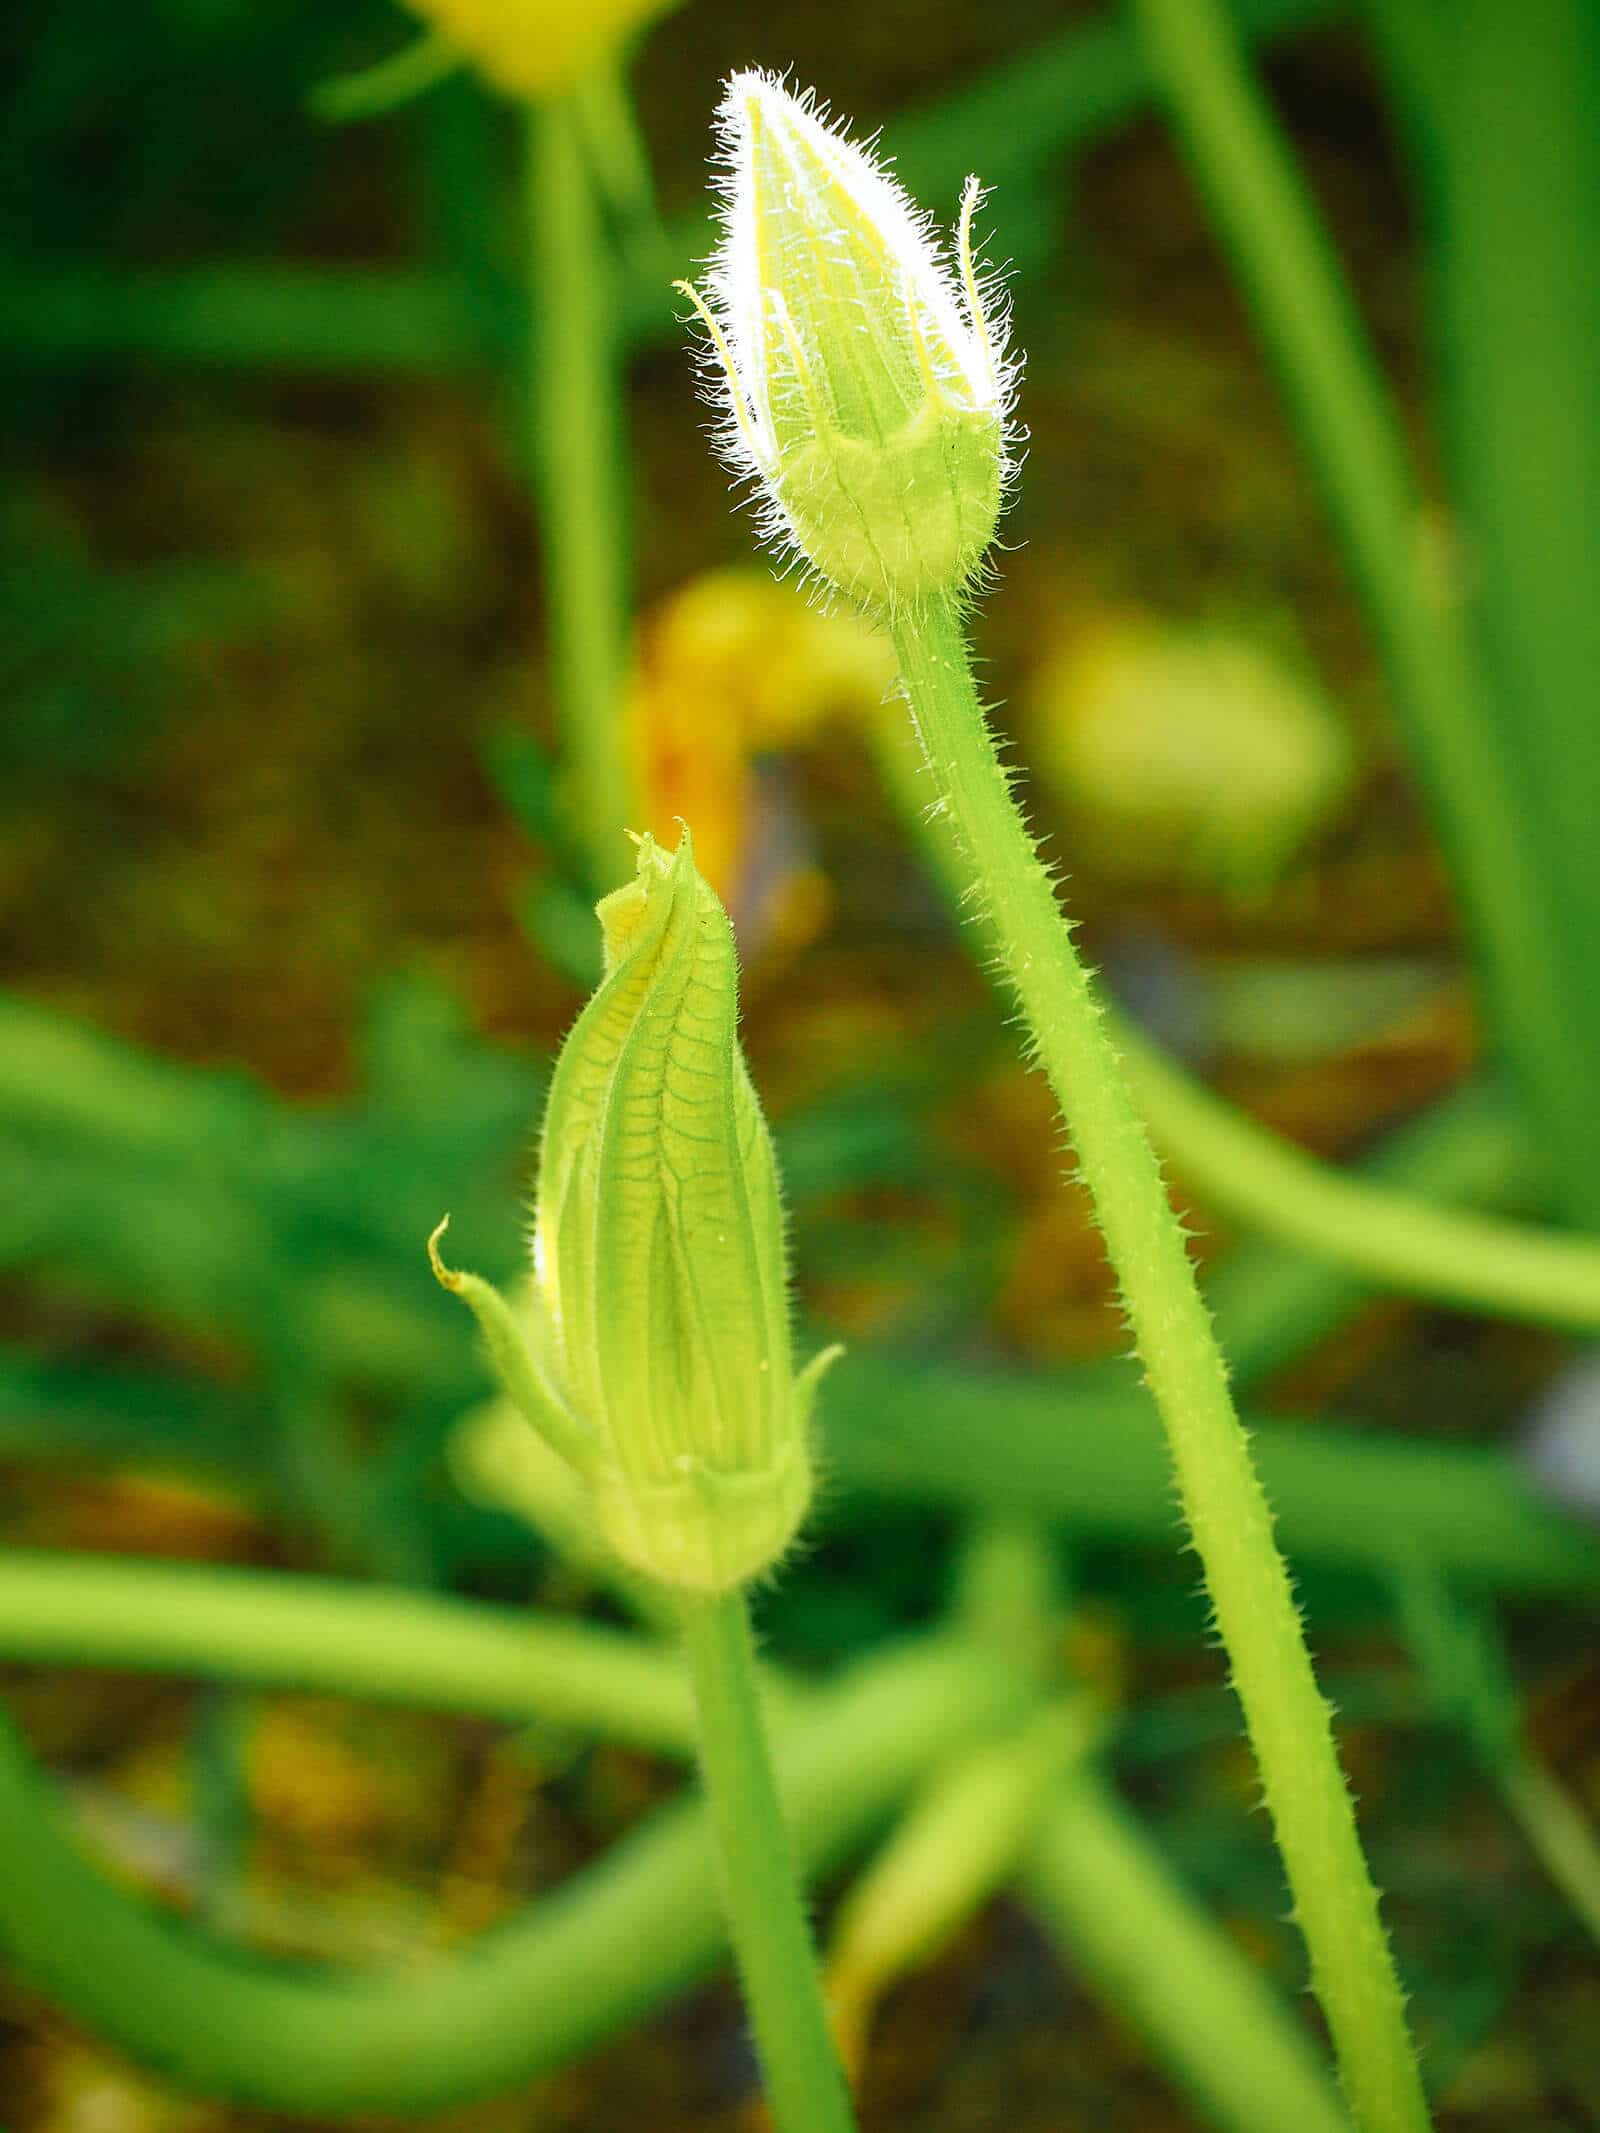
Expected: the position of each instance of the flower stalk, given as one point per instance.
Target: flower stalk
(833, 306)
(652, 1355)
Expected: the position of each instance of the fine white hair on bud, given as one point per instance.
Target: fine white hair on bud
(652, 1350)
(858, 361)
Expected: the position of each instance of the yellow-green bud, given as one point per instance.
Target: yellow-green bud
(653, 1352)
(659, 1250)
(864, 382)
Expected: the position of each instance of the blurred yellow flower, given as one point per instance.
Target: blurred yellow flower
(1188, 750)
(533, 48)
(731, 668)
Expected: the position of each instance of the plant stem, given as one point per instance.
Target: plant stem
(1519, 318)
(375, 1642)
(587, 1959)
(1394, 1238)
(579, 455)
(771, 1939)
(1272, 1306)
(1559, 1833)
(1158, 1960)
(1352, 1970)
(1084, 1451)
(1467, 752)
(405, 74)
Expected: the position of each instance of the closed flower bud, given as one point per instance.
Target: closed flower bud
(865, 386)
(659, 1362)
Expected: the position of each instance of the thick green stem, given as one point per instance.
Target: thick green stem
(1087, 1451)
(1466, 750)
(1352, 1970)
(368, 1641)
(587, 1959)
(771, 1939)
(580, 454)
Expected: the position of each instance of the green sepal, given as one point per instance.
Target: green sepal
(807, 1381)
(518, 1367)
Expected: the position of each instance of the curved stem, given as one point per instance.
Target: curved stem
(590, 1957)
(577, 422)
(1394, 1239)
(366, 1641)
(1272, 1306)
(771, 1938)
(1290, 1725)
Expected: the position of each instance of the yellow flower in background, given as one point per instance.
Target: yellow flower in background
(732, 668)
(1186, 750)
(537, 48)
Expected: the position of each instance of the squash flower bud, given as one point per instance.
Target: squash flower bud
(865, 385)
(658, 1359)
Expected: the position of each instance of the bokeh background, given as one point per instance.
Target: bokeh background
(291, 920)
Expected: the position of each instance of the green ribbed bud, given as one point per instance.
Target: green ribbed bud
(864, 380)
(660, 1363)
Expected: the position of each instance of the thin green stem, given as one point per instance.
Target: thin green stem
(374, 90)
(1008, 1589)
(1154, 1956)
(579, 456)
(1352, 1970)
(771, 1938)
(621, 162)
(1273, 1306)
(1560, 1835)
(1466, 753)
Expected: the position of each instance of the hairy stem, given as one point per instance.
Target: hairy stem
(1352, 1970)
(771, 1938)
